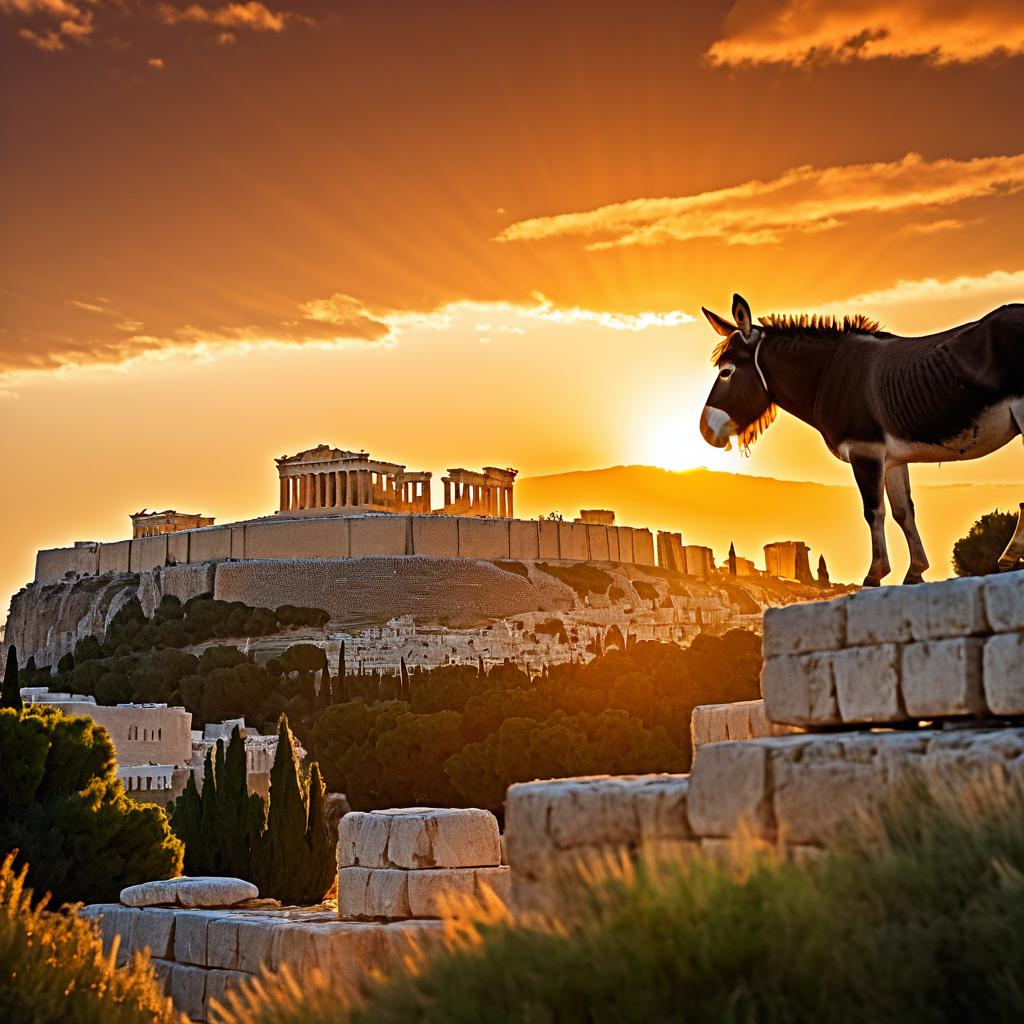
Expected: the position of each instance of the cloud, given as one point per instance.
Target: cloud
(50, 25)
(334, 321)
(996, 287)
(247, 15)
(53, 23)
(816, 31)
(805, 199)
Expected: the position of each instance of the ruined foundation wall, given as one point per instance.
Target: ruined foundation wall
(351, 536)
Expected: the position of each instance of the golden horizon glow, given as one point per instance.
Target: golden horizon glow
(464, 235)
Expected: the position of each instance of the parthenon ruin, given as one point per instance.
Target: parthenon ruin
(155, 524)
(489, 493)
(326, 479)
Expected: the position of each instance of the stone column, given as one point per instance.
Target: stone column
(365, 497)
(283, 498)
(447, 492)
(508, 501)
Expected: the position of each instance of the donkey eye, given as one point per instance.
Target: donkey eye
(726, 372)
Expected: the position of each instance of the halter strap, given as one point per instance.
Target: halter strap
(757, 364)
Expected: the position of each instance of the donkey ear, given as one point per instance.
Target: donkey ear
(724, 328)
(741, 313)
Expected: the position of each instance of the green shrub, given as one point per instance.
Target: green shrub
(53, 967)
(919, 917)
(978, 553)
(64, 810)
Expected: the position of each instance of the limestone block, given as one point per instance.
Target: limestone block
(729, 789)
(198, 891)
(1004, 601)
(442, 837)
(219, 983)
(438, 892)
(878, 616)
(951, 608)
(801, 628)
(956, 756)
(190, 935)
(868, 684)
(942, 677)
(255, 942)
(1003, 674)
(187, 989)
(363, 840)
(373, 893)
(115, 921)
(222, 942)
(153, 929)
(348, 946)
(800, 689)
(162, 970)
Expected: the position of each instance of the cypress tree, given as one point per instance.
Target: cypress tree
(323, 697)
(11, 694)
(283, 844)
(480, 670)
(341, 661)
(320, 859)
(209, 852)
(234, 839)
(186, 819)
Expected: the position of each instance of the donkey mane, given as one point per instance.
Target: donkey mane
(809, 325)
(823, 326)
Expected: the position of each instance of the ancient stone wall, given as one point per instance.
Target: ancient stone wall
(351, 536)
(369, 588)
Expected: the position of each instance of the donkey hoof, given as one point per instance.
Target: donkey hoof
(872, 581)
(913, 577)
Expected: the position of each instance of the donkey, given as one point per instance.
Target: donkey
(878, 400)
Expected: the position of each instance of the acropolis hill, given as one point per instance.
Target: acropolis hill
(356, 536)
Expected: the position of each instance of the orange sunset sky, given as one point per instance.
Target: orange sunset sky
(459, 233)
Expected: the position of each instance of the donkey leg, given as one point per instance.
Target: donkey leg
(1014, 552)
(897, 486)
(870, 476)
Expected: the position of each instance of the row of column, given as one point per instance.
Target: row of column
(479, 499)
(351, 488)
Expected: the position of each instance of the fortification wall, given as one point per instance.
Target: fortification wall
(353, 536)
(371, 587)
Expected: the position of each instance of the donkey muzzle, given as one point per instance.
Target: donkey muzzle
(717, 427)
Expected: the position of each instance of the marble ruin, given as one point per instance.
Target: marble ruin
(467, 493)
(155, 524)
(326, 479)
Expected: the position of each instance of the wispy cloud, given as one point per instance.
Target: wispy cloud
(51, 24)
(248, 15)
(335, 321)
(995, 287)
(815, 31)
(805, 199)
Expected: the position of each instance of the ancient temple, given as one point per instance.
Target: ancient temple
(154, 524)
(488, 493)
(326, 479)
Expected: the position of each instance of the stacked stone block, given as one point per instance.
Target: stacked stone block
(201, 955)
(418, 862)
(948, 654)
(740, 720)
(898, 654)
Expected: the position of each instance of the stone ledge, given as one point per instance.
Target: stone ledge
(740, 720)
(426, 893)
(419, 837)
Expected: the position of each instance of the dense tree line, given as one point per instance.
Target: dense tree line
(67, 815)
(464, 736)
(281, 845)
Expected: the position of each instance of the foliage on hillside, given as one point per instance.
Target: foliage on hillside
(977, 554)
(64, 810)
(919, 917)
(282, 844)
(53, 967)
(466, 737)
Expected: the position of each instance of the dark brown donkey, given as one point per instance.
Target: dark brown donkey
(879, 401)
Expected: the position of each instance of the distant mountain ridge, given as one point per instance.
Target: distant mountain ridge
(715, 509)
